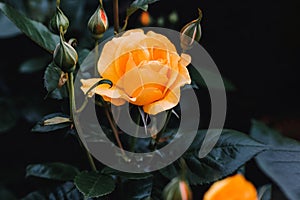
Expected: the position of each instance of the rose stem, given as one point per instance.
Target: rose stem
(73, 107)
(96, 55)
(114, 129)
(159, 134)
(183, 167)
(133, 140)
(70, 84)
(125, 23)
(116, 29)
(116, 16)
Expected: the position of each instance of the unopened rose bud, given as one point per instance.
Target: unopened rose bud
(145, 18)
(98, 23)
(177, 189)
(191, 32)
(65, 56)
(59, 20)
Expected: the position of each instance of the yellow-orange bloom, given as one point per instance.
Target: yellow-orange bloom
(232, 188)
(145, 70)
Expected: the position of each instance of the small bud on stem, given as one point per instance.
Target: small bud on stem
(177, 189)
(65, 56)
(191, 32)
(59, 20)
(98, 23)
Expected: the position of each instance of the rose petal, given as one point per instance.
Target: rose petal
(172, 95)
(170, 100)
(133, 31)
(117, 47)
(160, 54)
(116, 102)
(150, 76)
(130, 63)
(173, 71)
(112, 92)
(131, 82)
(119, 65)
(163, 39)
(87, 84)
(184, 76)
(140, 55)
(111, 73)
(181, 77)
(148, 95)
(185, 59)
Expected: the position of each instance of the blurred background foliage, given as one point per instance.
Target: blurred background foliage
(255, 44)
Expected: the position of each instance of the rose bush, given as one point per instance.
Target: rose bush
(145, 70)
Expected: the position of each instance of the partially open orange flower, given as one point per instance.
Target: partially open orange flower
(231, 188)
(145, 70)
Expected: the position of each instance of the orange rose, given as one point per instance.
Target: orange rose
(145, 70)
(231, 188)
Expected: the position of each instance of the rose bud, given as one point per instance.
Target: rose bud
(98, 23)
(177, 189)
(65, 56)
(59, 19)
(191, 32)
(145, 18)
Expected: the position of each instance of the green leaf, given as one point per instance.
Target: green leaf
(8, 29)
(158, 184)
(139, 4)
(8, 117)
(57, 120)
(136, 189)
(281, 162)
(59, 93)
(42, 128)
(265, 192)
(51, 77)
(110, 171)
(34, 65)
(34, 30)
(94, 184)
(232, 150)
(170, 171)
(195, 76)
(54, 171)
(66, 191)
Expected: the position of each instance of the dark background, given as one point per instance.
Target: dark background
(255, 44)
